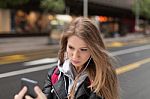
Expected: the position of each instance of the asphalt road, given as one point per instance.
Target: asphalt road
(133, 73)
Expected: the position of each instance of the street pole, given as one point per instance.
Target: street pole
(85, 8)
(67, 10)
(137, 15)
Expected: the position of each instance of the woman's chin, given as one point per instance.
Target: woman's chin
(77, 65)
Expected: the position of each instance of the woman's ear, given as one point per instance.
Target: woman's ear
(65, 55)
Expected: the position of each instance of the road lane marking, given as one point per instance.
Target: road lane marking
(120, 70)
(130, 50)
(12, 59)
(40, 61)
(21, 58)
(28, 70)
(116, 44)
(132, 66)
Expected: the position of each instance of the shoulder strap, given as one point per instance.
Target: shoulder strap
(54, 76)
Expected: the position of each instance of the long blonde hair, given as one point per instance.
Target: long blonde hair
(100, 71)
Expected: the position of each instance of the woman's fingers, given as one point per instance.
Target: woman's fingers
(21, 94)
(23, 91)
(40, 94)
(28, 97)
(37, 90)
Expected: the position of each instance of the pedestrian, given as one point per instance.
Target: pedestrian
(84, 67)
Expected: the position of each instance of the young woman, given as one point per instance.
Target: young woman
(84, 67)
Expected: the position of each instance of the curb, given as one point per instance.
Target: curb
(18, 56)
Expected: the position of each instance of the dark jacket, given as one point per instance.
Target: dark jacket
(58, 90)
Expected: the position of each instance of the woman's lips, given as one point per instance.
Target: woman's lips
(75, 62)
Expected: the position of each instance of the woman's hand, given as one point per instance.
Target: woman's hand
(38, 91)
(21, 94)
(40, 94)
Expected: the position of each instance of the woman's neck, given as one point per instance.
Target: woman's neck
(78, 69)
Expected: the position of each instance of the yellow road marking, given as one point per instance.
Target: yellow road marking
(115, 44)
(132, 66)
(12, 59)
(123, 69)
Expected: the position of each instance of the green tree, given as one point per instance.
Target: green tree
(144, 7)
(7, 3)
(55, 6)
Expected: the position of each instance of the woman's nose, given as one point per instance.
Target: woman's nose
(75, 54)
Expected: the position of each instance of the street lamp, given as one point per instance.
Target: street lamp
(137, 15)
(85, 8)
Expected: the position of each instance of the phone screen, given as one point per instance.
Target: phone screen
(30, 84)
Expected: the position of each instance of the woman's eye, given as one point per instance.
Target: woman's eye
(84, 49)
(70, 47)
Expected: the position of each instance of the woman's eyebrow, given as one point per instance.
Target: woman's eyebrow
(70, 45)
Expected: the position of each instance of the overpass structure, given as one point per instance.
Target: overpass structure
(119, 15)
(118, 8)
(122, 19)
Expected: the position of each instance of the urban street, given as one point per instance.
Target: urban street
(132, 69)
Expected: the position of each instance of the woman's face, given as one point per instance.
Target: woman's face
(77, 51)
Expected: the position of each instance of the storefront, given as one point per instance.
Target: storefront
(5, 26)
(20, 22)
(31, 22)
(114, 26)
(109, 26)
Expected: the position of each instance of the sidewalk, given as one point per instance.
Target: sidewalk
(11, 45)
(129, 39)
(22, 49)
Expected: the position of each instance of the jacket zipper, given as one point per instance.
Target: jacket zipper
(56, 92)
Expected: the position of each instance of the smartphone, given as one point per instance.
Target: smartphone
(30, 84)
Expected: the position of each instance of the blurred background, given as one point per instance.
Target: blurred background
(30, 32)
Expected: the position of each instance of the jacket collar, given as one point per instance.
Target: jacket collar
(59, 87)
(67, 69)
(82, 90)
